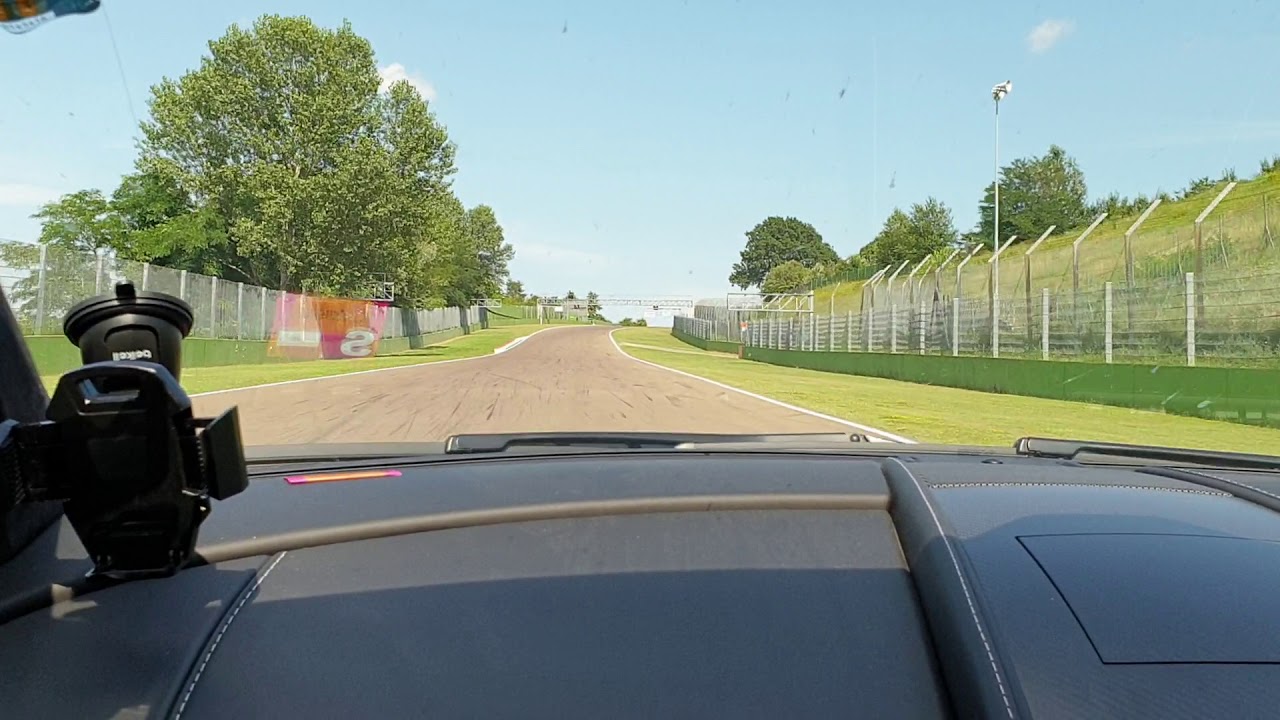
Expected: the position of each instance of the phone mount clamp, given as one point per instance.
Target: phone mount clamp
(136, 472)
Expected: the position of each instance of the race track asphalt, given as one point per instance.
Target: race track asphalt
(563, 379)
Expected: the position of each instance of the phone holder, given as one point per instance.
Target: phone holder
(135, 470)
(131, 325)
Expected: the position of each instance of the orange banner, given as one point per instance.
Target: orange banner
(309, 328)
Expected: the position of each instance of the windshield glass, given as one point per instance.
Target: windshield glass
(945, 224)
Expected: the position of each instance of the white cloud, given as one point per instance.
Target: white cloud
(24, 195)
(1047, 34)
(395, 72)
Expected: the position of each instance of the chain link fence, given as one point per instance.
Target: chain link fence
(1233, 321)
(42, 283)
(1182, 289)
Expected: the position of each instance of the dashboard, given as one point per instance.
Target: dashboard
(679, 584)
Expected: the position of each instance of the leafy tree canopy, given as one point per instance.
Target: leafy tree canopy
(912, 236)
(785, 278)
(1035, 193)
(775, 241)
(279, 162)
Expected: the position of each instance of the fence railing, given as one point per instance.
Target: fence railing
(43, 282)
(1223, 321)
(1225, 243)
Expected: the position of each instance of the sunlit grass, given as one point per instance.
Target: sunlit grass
(929, 413)
(227, 377)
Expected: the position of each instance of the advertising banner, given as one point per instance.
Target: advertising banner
(311, 328)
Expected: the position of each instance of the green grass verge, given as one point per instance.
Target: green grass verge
(227, 377)
(935, 414)
(656, 338)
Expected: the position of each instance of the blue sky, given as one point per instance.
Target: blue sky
(627, 147)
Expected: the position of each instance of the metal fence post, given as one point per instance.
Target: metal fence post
(955, 327)
(1106, 313)
(213, 307)
(182, 284)
(994, 282)
(262, 312)
(995, 325)
(848, 331)
(868, 327)
(239, 310)
(146, 275)
(893, 327)
(1128, 267)
(813, 329)
(1026, 272)
(923, 310)
(97, 276)
(40, 289)
(1199, 221)
(1075, 271)
(1044, 323)
(831, 333)
(1191, 319)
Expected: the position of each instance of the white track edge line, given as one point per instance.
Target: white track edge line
(514, 343)
(363, 372)
(848, 423)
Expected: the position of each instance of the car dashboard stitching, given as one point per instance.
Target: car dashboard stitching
(1189, 491)
(1229, 481)
(964, 585)
(208, 654)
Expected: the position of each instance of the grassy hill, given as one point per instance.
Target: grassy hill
(1239, 238)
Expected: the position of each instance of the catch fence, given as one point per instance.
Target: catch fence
(42, 283)
(1232, 321)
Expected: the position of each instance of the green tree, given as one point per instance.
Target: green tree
(912, 236)
(593, 306)
(1035, 193)
(1196, 187)
(163, 226)
(319, 180)
(785, 278)
(514, 291)
(77, 228)
(775, 241)
(489, 253)
(82, 221)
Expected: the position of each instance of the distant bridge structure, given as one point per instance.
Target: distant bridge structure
(649, 301)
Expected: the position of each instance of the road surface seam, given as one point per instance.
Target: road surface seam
(366, 372)
(848, 423)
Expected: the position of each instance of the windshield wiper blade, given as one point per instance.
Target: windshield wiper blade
(1082, 449)
(501, 442)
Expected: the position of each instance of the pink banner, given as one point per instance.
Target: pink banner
(327, 328)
